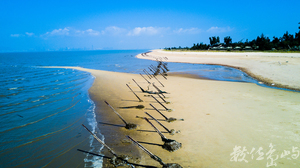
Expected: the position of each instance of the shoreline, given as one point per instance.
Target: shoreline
(218, 116)
(252, 63)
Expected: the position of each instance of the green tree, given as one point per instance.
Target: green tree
(297, 36)
(275, 42)
(214, 40)
(263, 42)
(227, 40)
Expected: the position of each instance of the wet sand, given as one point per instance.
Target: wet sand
(274, 69)
(217, 116)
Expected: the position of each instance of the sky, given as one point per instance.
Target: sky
(39, 25)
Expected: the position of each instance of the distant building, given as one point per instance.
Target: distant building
(237, 48)
(248, 48)
(228, 48)
(217, 47)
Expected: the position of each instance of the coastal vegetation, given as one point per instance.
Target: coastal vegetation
(288, 42)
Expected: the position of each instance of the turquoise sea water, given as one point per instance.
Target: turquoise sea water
(42, 109)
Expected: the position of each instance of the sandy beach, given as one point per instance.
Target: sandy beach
(274, 69)
(226, 124)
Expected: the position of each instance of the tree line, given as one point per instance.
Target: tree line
(288, 42)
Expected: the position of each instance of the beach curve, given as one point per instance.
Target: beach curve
(273, 69)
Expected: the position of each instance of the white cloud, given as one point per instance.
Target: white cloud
(59, 32)
(146, 31)
(29, 34)
(113, 30)
(15, 35)
(76, 32)
(68, 31)
(219, 29)
(92, 32)
(192, 30)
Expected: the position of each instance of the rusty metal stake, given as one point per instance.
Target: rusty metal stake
(169, 110)
(169, 144)
(159, 112)
(160, 91)
(163, 98)
(172, 131)
(128, 125)
(158, 131)
(163, 76)
(100, 141)
(159, 82)
(154, 157)
(170, 119)
(151, 71)
(146, 72)
(145, 78)
(139, 86)
(140, 100)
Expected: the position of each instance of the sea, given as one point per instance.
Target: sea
(42, 109)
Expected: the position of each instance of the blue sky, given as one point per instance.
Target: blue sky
(36, 25)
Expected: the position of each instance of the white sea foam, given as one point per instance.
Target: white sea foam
(91, 160)
(35, 100)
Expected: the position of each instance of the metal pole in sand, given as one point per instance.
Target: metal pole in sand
(156, 158)
(149, 76)
(160, 67)
(116, 112)
(163, 98)
(169, 144)
(163, 69)
(161, 104)
(145, 78)
(159, 112)
(165, 66)
(148, 73)
(140, 100)
(152, 71)
(157, 130)
(160, 91)
(163, 76)
(128, 125)
(159, 81)
(170, 119)
(153, 67)
(159, 123)
(138, 85)
(100, 141)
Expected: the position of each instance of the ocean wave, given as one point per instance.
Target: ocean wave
(35, 105)
(35, 100)
(41, 119)
(12, 88)
(13, 104)
(96, 147)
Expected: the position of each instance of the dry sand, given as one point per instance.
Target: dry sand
(217, 116)
(279, 69)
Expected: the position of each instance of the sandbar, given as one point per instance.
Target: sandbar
(274, 69)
